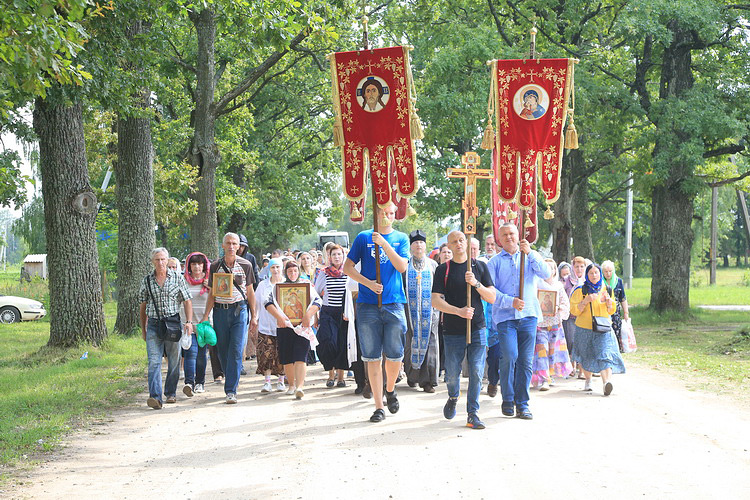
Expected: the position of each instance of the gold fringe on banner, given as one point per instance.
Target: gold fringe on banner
(338, 127)
(488, 139)
(415, 124)
(571, 135)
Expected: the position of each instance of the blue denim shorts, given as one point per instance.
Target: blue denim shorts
(381, 331)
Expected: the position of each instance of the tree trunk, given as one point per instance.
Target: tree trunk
(671, 201)
(579, 211)
(135, 205)
(204, 152)
(561, 227)
(76, 313)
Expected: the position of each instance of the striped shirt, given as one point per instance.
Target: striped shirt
(168, 297)
(331, 289)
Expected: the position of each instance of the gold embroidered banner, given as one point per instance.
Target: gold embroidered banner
(376, 124)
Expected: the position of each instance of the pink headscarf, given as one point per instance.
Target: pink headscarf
(206, 268)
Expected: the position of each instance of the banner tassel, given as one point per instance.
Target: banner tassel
(571, 135)
(488, 140)
(417, 132)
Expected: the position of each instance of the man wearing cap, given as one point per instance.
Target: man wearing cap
(230, 313)
(421, 350)
(381, 329)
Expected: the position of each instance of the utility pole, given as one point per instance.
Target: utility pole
(714, 233)
(627, 254)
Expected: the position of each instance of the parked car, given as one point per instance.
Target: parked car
(14, 309)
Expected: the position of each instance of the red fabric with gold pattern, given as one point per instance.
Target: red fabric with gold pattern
(504, 211)
(371, 96)
(532, 98)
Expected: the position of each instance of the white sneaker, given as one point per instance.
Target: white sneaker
(266, 387)
(199, 388)
(544, 386)
(231, 398)
(299, 394)
(587, 386)
(291, 390)
(280, 386)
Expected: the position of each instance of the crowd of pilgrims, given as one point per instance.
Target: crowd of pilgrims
(433, 345)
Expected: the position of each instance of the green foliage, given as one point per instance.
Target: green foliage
(30, 226)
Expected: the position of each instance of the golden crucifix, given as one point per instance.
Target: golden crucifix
(470, 173)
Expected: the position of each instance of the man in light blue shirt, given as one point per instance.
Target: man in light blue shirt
(516, 318)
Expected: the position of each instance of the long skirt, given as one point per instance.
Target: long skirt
(551, 356)
(597, 351)
(331, 348)
(268, 355)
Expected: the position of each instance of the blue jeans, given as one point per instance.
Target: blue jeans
(455, 348)
(517, 337)
(231, 331)
(155, 348)
(493, 364)
(195, 363)
(381, 330)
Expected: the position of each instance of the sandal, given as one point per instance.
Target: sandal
(329, 383)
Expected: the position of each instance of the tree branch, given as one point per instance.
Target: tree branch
(724, 182)
(498, 24)
(726, 150)
(258, 72)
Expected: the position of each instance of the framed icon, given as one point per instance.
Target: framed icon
(293, 299)
(222, 285)
(547, 301)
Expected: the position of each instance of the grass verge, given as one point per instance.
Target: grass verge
(46, 392)
(709, 350)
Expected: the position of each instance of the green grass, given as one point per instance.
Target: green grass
(729, 289)
(45, 392)
(710, 350)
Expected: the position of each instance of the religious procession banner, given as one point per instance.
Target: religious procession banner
(376, 124)
(529, 104)
(508, 211)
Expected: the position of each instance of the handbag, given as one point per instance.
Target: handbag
(170, 327)
(600, 324)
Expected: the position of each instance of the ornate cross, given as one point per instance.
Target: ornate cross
(470, 173)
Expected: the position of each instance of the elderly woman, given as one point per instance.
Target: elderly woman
(160, 295)
(196, 276)
(623, 311)
(293, 346)
(551, 357)
(596, 352)
(268, 346)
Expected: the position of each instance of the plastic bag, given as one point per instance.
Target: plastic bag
(205, 334)
(186, 341)
(628, 336)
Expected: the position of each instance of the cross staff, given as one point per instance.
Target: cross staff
(470, 173)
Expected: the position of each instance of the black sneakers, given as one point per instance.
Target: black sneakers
(378, 415)
(449, 410)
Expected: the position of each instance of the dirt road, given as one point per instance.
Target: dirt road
(652, 438)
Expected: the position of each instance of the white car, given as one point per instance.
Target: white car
(14, 309)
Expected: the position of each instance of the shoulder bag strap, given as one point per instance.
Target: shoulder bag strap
(148, 281)
(239, 288)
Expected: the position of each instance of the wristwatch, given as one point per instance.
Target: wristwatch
(478, 285)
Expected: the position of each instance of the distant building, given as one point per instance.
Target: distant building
(34, 265)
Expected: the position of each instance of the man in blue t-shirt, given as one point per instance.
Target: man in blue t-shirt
(381, 330)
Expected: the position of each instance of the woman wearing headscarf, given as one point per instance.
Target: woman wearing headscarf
(563, 271)
(332, 332)
(623, 311)
(268, 348)
(596, 352)
(196, 276)
(294, 343)
(551, 357)
(306, 265)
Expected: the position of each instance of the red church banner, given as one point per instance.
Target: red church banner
(376, 124)
(531, 97)
(505, 211)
